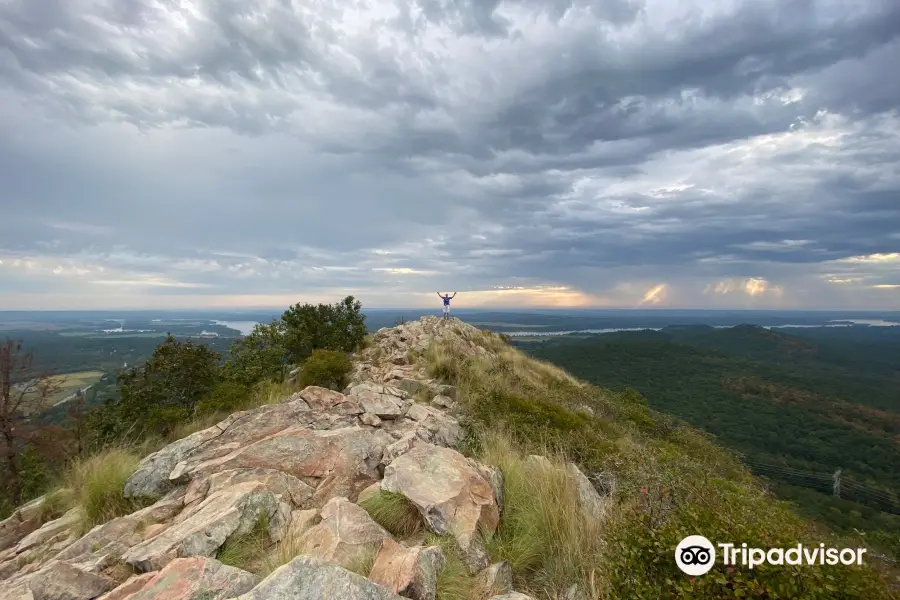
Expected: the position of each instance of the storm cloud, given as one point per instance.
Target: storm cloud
(192, 153)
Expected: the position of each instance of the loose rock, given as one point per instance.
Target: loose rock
(308, 578)
(410, 572)
(451, 494)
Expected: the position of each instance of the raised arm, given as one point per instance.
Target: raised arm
(454, 295)
(439, 295)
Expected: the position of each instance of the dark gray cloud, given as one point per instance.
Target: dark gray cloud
(248, 152)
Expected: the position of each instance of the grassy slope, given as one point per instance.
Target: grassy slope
(798, 407)
(670, 481)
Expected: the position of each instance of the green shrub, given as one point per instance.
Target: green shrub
(226, 397)
(259, 356)
(670, 481)
(325, 368)
(340, 326)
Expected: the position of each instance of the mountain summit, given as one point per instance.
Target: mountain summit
(451, 467)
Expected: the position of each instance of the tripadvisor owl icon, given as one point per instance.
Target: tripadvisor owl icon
(695, 555)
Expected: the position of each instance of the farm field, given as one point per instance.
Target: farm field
(68, 383)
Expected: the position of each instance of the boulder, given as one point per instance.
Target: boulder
(375, 388)
(323, 399)
(337, 462)
(496, 579)
(410, 572)
(370, 419)
(592, 504)
(301, 521)
(62, 581)
(152, 475)
(127, 589)
(400, 447)
(196, 578)
(411, 386)
(24, 520)
(200, 532)
(443, 401)
(368, 493)
(451, 494)
(50, 530)
(384, 406)
(494, 476)
(345, 534)
(434, 425)
(286, 487)
(308, 578)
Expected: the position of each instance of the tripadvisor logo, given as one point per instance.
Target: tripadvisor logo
(696, 555)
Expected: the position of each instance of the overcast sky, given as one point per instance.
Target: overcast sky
(609, 153)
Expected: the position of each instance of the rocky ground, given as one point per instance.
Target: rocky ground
(300, 468)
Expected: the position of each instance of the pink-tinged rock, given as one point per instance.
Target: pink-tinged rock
(345, 534)
(322, 399)
(50, 530)
(196, 578)
(153, 475)
(410, 572)
(62, 581)
(341, 461)
(24, 520)
(201, 531)
(130, 587)
(301, 522)
(451, 494)
(286, 487)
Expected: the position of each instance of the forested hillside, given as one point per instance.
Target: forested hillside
(811, 401)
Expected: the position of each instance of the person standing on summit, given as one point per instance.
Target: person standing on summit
(447, 298)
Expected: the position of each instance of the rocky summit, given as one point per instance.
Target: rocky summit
(290, 474)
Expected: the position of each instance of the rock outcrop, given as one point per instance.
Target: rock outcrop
(290, 473)
(450, 492)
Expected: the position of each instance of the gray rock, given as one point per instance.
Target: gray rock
(451, 494)
(200, 532)
(435, 426)
(308, 578)
(411, 386)
(496, 579)
(370, 419)
(62, 581)
(443, 401)
(593, 505)
(345, 533)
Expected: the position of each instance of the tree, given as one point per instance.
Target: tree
(325, 368)
(340, 327)
(167, 388)
(259, 356)
(23, 390)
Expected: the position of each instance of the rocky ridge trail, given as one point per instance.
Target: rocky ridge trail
(297, 469)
